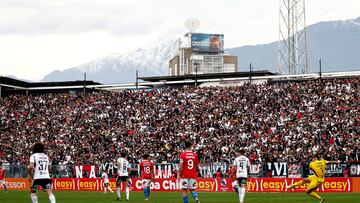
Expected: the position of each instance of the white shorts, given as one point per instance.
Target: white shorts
(188, 183)
(2, 182)
(146, 183)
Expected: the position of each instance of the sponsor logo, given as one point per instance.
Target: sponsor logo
(87, 185)
(64, 184)
(206, 185)
(224, 184)
(273, 186)
(336, 186)
(171, 185)
(16, 185)
(252, 186)
(153, 185)
(112, 185)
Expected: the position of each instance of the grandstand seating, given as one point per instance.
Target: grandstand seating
(287, 121)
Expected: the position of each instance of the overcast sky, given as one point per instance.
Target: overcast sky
(39, 36)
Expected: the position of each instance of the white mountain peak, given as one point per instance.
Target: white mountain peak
(151, 56)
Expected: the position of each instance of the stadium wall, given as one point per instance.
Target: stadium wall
(203, 184)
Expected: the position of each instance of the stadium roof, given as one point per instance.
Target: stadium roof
(207, 76)
(23, 84)
(14, 86)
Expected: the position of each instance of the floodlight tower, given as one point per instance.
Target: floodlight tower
(292, 49)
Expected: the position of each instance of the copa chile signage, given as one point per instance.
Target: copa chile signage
(203, 184)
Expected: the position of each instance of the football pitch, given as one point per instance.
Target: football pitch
(173, 197)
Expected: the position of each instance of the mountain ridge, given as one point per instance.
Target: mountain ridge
(335, 42)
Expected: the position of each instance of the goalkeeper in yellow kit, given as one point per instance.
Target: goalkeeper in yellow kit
(316, 180)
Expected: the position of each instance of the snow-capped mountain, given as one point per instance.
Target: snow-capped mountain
(335, 42)
(149, 61)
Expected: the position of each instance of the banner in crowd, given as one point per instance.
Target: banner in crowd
(209, 170)
(354, 169)
(161, 170)
(294, 170)
(88, 171)
(256, 170)
(271, 169)
(334, 170)
(278, 169)
(331, 170)
(203, 184)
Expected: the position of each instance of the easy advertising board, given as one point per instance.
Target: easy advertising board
(203, 184)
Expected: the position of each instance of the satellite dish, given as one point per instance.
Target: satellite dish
(192, 24)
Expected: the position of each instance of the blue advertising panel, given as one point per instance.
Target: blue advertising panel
(207, 43)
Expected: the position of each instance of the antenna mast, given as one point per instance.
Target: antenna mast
(292, 49)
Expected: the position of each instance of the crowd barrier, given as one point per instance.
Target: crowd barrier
(203, 184)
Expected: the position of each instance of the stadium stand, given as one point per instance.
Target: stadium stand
(274, 121)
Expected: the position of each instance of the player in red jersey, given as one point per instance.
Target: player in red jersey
(147, 174)
(2, 178)
(231, 174)
(188, 172)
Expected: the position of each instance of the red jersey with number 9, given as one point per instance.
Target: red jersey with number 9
(189, 164)
(145, 167)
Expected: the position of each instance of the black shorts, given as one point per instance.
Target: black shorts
(106, 184)
(45, 184)
(120, 179)
(241, 181)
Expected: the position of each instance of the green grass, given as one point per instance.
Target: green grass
(173, 197)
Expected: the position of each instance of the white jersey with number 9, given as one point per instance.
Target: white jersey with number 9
(242, 164)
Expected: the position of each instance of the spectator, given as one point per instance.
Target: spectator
(272, 121)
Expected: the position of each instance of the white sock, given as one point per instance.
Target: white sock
(52, 198)
(118, 192)
(242, 194)
(110, 189)
(127, 193)
(34, 198)
(239, 193)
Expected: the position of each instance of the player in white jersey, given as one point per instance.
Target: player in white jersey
(123, 169)
(105, 176)
(39, 173)
(242, 165)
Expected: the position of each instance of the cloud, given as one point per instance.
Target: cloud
(30, 17)
(37, 36)
(118, 17)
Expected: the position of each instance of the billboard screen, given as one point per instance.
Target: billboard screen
(207, 43)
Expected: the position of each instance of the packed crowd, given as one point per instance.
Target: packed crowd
(286, 121)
